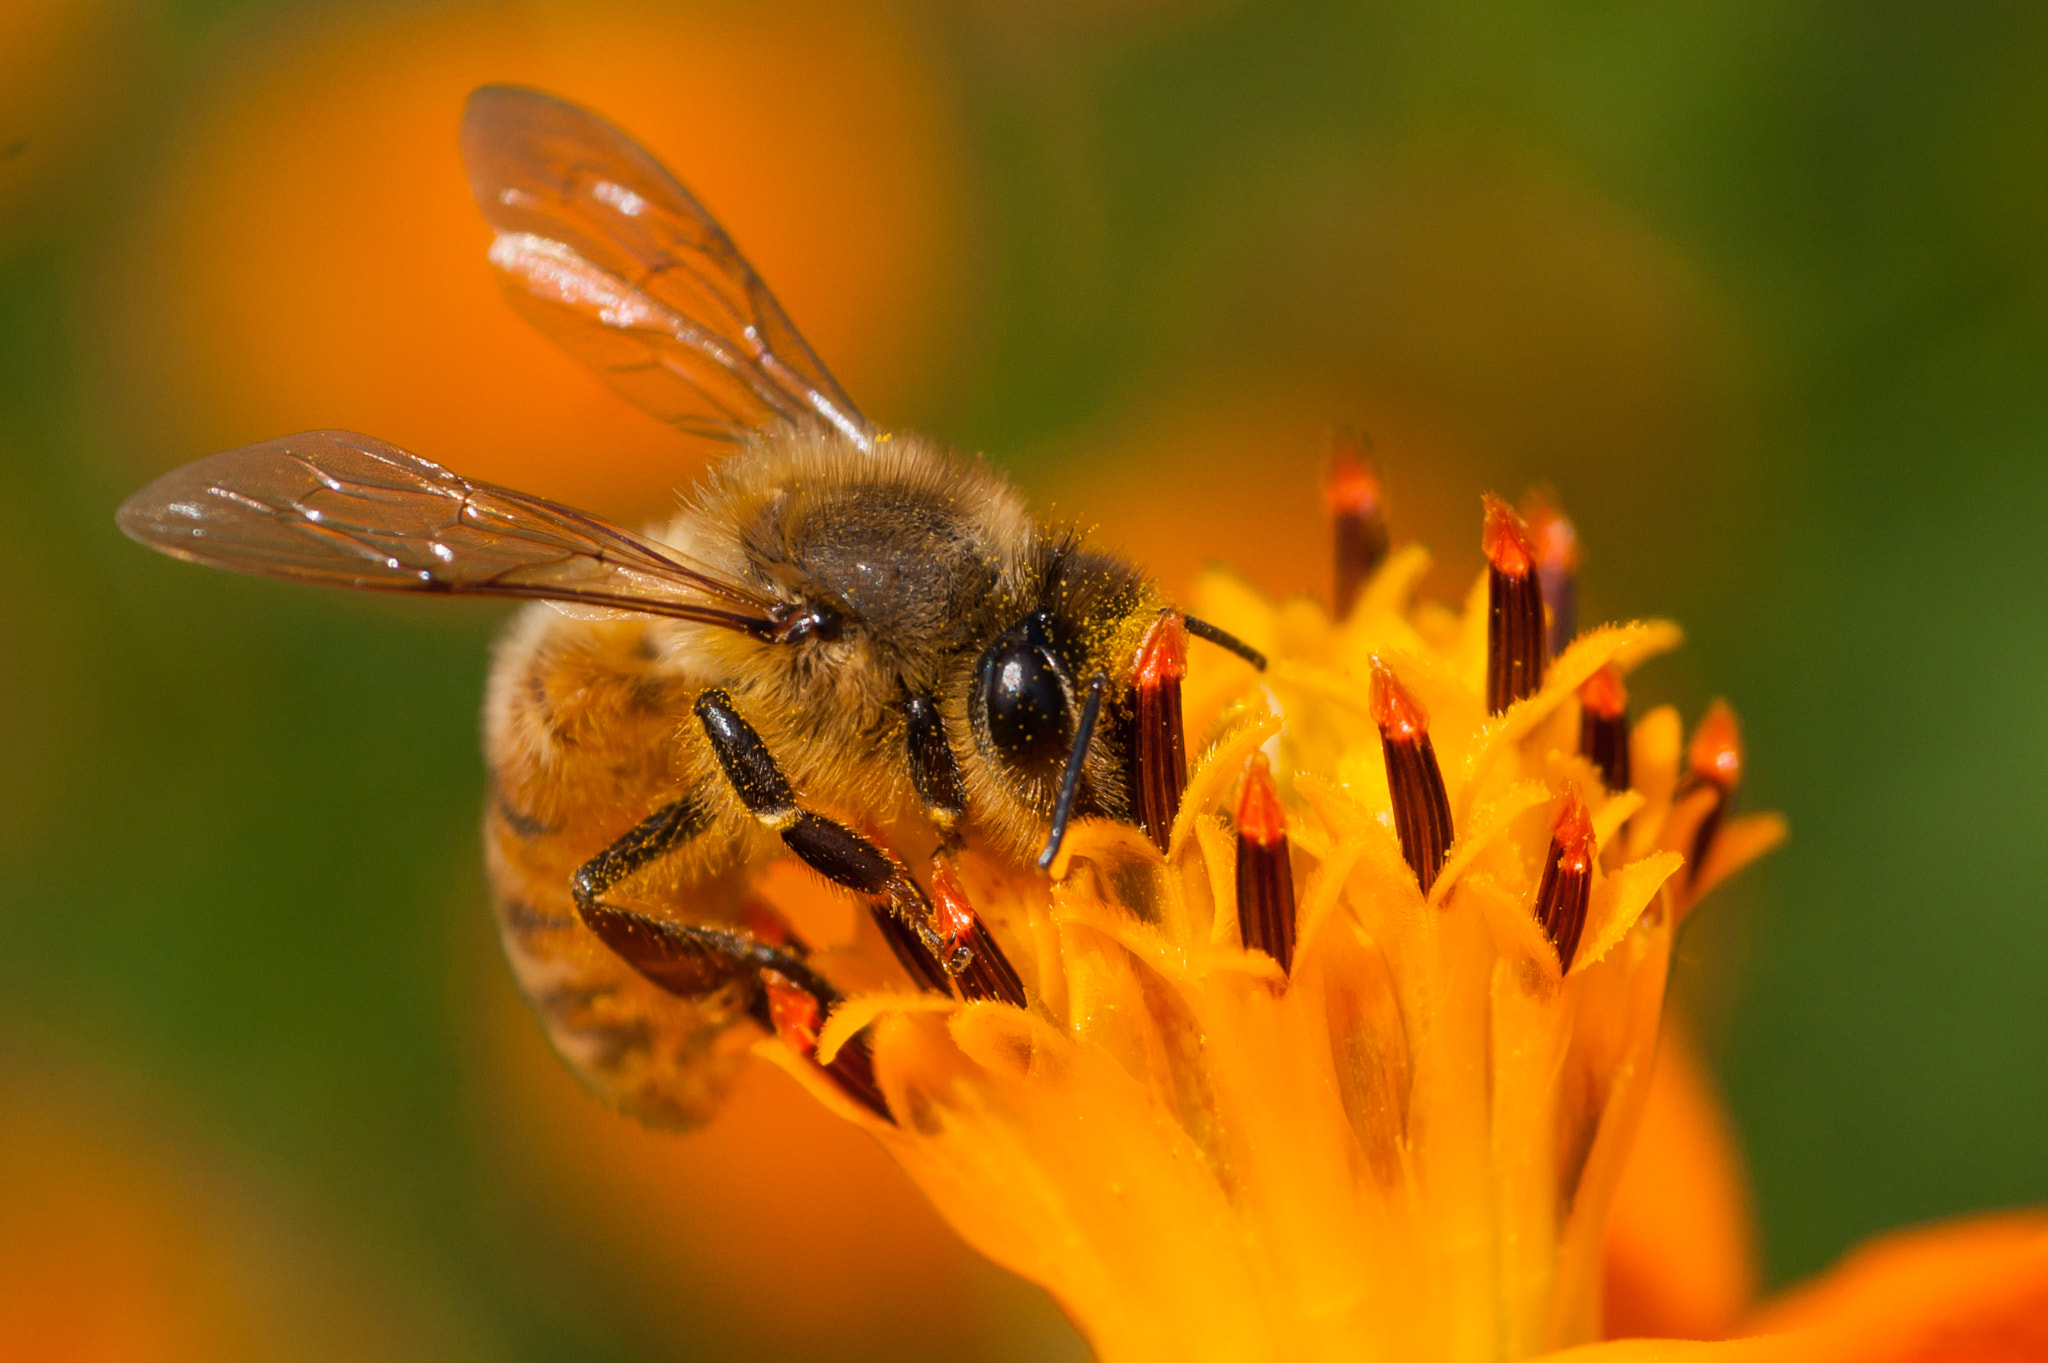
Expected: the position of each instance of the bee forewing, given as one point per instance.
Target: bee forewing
(608, 254)
(348, 510)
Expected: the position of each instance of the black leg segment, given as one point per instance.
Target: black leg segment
(933, 769)
(660, 833)
(833, 850)
(748, 763)
(692, 961)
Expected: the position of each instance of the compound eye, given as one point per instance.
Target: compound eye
(1025, 705)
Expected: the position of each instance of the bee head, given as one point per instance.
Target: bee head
(1025, 702)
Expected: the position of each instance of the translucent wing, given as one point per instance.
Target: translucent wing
(346, 510)
(610, 256)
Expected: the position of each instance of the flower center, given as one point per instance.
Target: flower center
(1335, 1052)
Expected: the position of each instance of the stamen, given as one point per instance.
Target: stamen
(1422, 811)
(1358, 512)
(1162, 760)
(765, 923)
(797, 1015)
(1265, 877)
(989, 975)
(1514, 617)
(1567, 884)
(1713, 761)
(910, 950)
(1557, 567)
(1603, 727)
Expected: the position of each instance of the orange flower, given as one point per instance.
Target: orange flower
(1370, 1098)
(1375, 1098)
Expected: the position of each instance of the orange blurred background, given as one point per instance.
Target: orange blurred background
(1735, 285)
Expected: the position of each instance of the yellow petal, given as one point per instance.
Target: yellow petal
(1680, 1256)
(858, 1011)
(1618, 901)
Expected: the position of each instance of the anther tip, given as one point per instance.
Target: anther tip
(1555, 538)
(1573, 830)
(1260, 817)
(1505, 539)
(952, 915)
(1395, 709)
(1716, 751)
(765, 924)
(794, 1011)
(1603, 694)
(1354, 488)
(1163, 657)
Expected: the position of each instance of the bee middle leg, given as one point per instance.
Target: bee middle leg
(780, 990)
(843, 856)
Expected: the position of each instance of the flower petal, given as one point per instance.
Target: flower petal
(1681, 1246)
(856, 1012)
(1739, 842)
(1970, 1292)
(1949, 1280)
(1619, 901)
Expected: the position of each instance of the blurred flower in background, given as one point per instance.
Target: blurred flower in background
(1758, 288)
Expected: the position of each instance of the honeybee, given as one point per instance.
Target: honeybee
(842, 628)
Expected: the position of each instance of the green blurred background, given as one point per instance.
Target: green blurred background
(1760, 288)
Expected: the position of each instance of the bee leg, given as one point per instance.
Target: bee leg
(782, 993)
(933, 769)
(935, 772)
(655, 836)
(843, 856)
(645, 943)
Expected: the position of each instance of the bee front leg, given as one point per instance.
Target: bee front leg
(934, 771)
(844, 857)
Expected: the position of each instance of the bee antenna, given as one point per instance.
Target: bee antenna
(1223, 639)
(1070, 779)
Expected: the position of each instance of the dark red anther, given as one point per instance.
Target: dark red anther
(1713, 760)
(1603, 727)
(1557, 568)
(1160, 766)
(989, 974)
(903, 914)
(1515, 638)
(796, 1013)
(1422, 811)
(1265, 876)
(910, 949)
(1567, 885)
(952, 915)
(764, 923)
(797, 1016)
(1715, 754)
(1359, 515)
